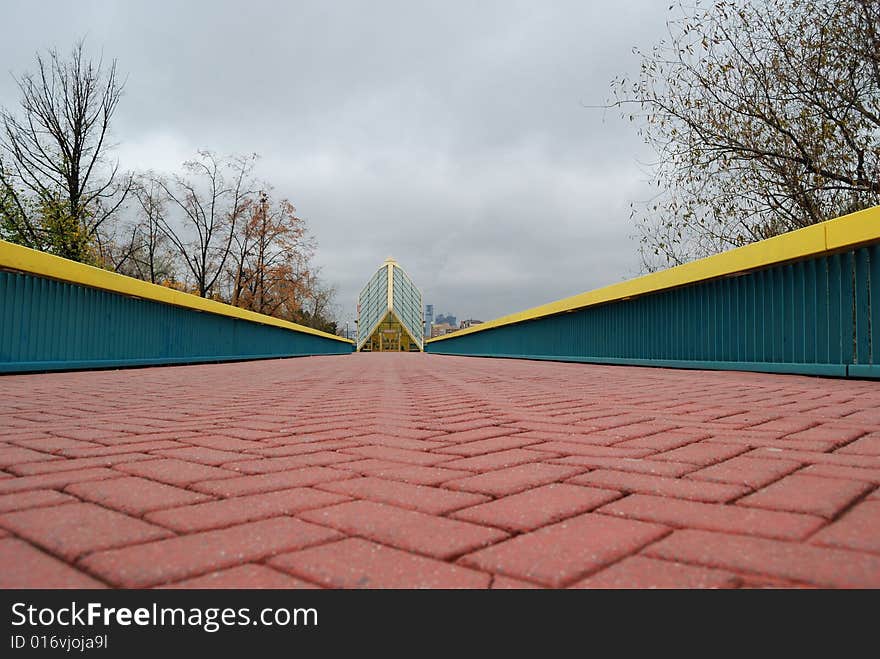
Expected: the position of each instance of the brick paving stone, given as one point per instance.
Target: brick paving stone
(786, 425)
(829, 432)
(642, 572)
(14, 456)
(572, 448)
(358, 563)
(702, 453)
(844, 473)
(559, 554)
(228, 512)
(537, 507)
(301, 448)
(369, 466)
(501, 482)
(57, 445)
(202, 455)
(868, 445)
(497, 460)
(637, 465)
(264, 465)
(787, 560)
(244, 576)
(406, 456)
(133, 495)
(581, 437)
(661, 441)
(770, 442)
(714, 517)
(223, 443)
(32, 499)
(25, 566)
(816, 457)
(807, 494)
(855, 529)
(433, 500)
(473, 435)
(134, 447)
(55, 481)
(742, 470)
(231, 487)
(492, 445)
(501, 582)
(418, 474)
(88, 434)
(73, 529)
(71, 464)
(174, 472)
(164, 561)
(405, 529)
(660, 485)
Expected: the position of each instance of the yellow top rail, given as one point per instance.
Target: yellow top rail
(23, 259)
(840, 233)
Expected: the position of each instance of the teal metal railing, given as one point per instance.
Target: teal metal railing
(48, 324)
(818, 315)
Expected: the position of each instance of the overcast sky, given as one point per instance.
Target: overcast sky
(449, 136)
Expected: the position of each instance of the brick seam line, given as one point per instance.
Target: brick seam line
(865, 495)
(512, 533)
(764, 575)
(581, 575)
(738, 578)
(189, 486)
(261, 562)
(752, 490)
(330, 541)
(139, 516)
(676, 527)
(240, 522)
(797, 471)
(71, 564)
(451, 558)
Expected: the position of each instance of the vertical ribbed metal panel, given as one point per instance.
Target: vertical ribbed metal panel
(820, 315)
(49, 325)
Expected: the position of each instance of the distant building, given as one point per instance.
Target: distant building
(469, 322)
(390, 312)
(439, 329)
(429, 317)
(448, 319)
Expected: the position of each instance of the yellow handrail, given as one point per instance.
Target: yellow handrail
(23, 259)
(842, 232)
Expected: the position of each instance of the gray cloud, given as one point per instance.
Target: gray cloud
(452, 137)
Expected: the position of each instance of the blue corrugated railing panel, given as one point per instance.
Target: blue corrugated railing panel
(814, 316)
(54, 325)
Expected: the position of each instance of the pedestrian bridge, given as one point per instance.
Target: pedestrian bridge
(556, 460)
(806, 302)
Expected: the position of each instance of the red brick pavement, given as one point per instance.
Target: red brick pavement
(432, 471)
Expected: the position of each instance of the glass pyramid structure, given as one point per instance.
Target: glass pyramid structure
(390, 312)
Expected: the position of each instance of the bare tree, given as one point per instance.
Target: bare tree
(271, 260)
(140, 248)
(54, 172)
(317, 308)
(210, 200)
(153, 258)
(765, 116)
